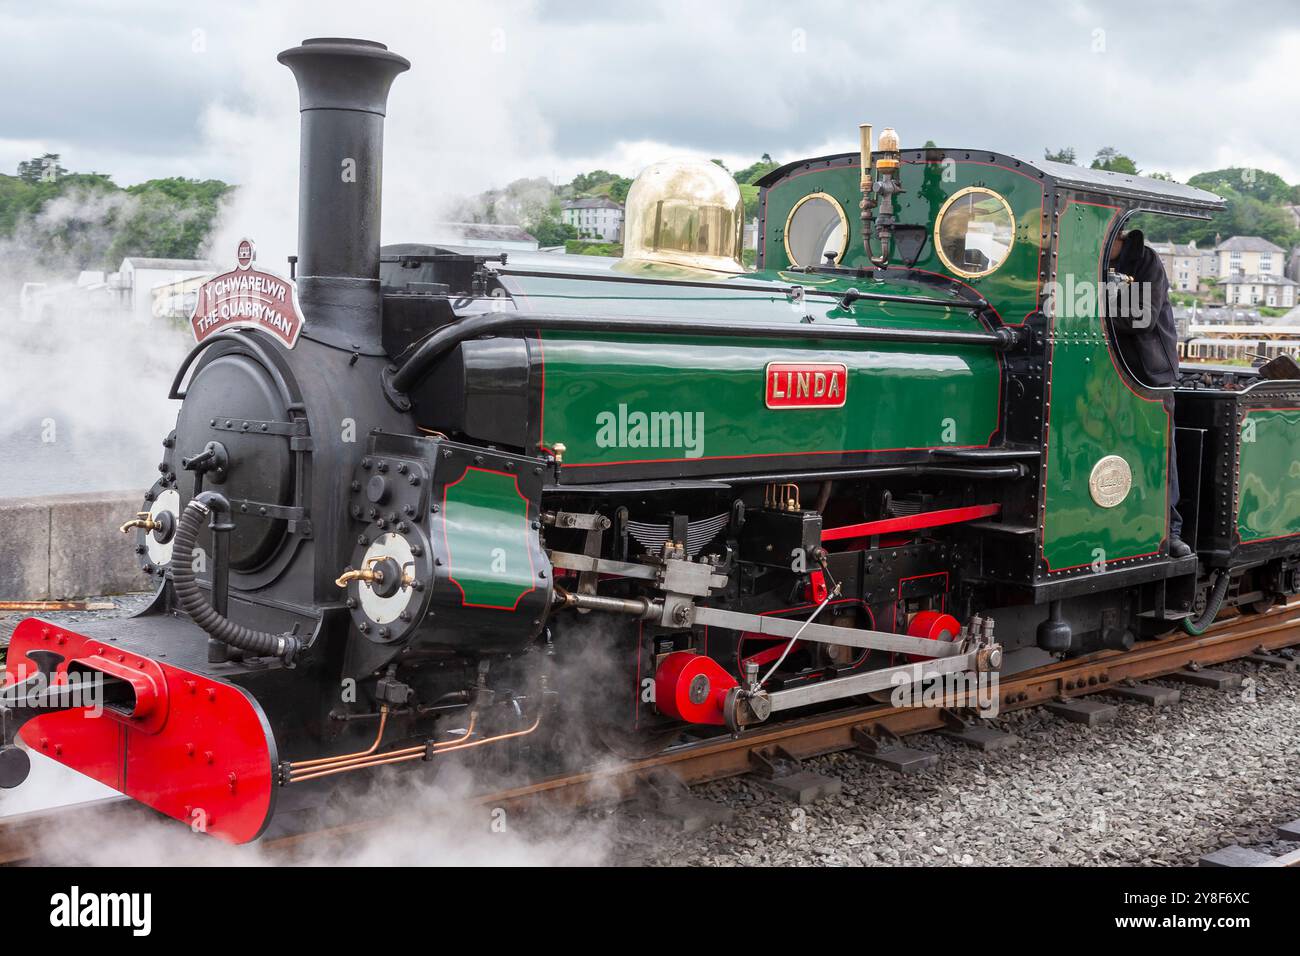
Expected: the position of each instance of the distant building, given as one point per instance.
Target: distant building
(598, 217)
(1293, 265)
(1249, 256)
(176, 299)
(1182, 264)
(47, 301)
(1209, 263)
(1275, 291)
(137, 277)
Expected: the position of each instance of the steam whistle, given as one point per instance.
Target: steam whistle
(879, 183)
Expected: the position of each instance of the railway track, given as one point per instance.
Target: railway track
(718, 757)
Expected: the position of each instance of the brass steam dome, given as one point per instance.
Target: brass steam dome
(686, 213)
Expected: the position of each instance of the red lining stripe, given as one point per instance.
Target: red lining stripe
(926, 519)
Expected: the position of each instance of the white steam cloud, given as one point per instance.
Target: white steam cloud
(406, 819)
(460, 121)
(83, 383)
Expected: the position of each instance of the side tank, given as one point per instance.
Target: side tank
(645, 405)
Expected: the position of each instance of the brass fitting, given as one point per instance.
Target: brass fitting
(141, 520)
(365, 574)
(370, 574)
(781, 497)
(864, 133)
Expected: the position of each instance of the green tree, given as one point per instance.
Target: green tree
(42, 169)
(1111, 159)
(1242, 215)
(1257, 183)
(96, 223)
(1063, 155)
(598, 182)
(756, 171)
(549, 231)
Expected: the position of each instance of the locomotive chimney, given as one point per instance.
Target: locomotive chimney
(343, 94)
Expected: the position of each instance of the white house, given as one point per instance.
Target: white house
(1182, 264)
(177, 298)
(1275, 291)
(135, 280)
(1249, 256)
(598, 217)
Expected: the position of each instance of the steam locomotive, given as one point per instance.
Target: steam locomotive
(427, 503)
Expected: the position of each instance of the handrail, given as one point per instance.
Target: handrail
(957, 302)
(398, 380)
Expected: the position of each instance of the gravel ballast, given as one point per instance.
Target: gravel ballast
(1158, 787)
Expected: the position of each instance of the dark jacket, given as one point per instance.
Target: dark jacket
(1141, 315)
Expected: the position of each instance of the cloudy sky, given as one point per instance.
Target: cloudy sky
(497, 90)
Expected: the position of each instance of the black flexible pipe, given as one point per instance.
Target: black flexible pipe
(399, 381)
(283, 646)
(1212, 606)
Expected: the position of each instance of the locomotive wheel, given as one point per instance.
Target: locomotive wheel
(1262, 606)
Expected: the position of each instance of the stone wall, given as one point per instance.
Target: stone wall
(68, 546)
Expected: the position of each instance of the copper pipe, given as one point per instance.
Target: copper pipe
(359, 761)
(297, 765)
(392, 756)
(417, 753)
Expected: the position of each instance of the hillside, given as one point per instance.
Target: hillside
(52, 219)
(1255, 203)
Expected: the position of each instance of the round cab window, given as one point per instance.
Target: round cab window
(974, 232)
(816, 231)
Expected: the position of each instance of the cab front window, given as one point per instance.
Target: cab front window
(974, 232)
(816, 232)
